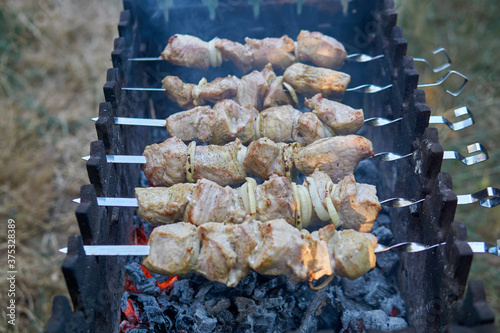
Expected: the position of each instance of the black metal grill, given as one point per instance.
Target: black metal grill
(432, 283)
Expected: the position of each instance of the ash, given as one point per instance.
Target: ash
(272, 304)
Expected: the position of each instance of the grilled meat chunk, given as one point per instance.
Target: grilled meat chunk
(337, 156)
(217, 90)
(186, 50)
(219, 163)
(276, 94)
(275, 200)
(226, 253)
(277, 51)
(264, 158)
(322, 50)
(224, 123)
(174, 249)
(213, 203)
(278, 123)
(309, 80)
(357, 204)
(240, 55)
(341, 119)
(166, 162)
(178, 91)
(161, 205)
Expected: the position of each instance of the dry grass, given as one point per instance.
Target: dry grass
(53, 58)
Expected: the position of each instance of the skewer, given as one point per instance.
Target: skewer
(457, 126)
(447, 155)
(374, 121)
(364, 88)
(488, 197)
(357, 57)
(384, 156)
(410, 247)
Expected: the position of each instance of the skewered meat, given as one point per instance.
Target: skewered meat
(222, 124)
(341, 119)
(190, 51)
(309, 80)
(228, 120)
(299, 205)
(172, 162)
(226, 253)
(277, 51)
(322, 50)
(262, 88)
(336, 156)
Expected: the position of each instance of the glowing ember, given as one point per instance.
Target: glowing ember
(167, 284)
(146, 272)
(132, 319)
(140, 236)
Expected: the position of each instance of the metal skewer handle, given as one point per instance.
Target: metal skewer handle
(371, 89)
(457, 126)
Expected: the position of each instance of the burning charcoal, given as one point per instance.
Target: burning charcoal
(354, 288)
(246, 307)
(387, 261)
(225, 318)
(394, 306)
(383, 219)
(272, 302)
(140, 330)
(265, 322)
(288, 305)
(246, 286)
(265, 288)
(142, 283)
(204, 322)
(185, 323)
(146, 300)
(246, 326)
(396, 323)
(203, 290)
(383, 234)
(215, 306)
(367, 172)
(154, 316)
(183, 291)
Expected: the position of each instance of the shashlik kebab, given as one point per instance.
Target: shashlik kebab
(227, 121)
(226, 252)
(347, 203)
(172, 161)
(191, 51)
(262, 89)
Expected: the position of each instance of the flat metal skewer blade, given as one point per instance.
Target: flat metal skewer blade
(459, 125)
(469, 160)
(115, 202)
(113, 250)
(488, 197)
(138, 121)
(143, 89)
(146, 59)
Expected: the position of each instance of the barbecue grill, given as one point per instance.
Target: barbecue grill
(432, 283)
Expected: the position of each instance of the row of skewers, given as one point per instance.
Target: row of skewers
(227, 240)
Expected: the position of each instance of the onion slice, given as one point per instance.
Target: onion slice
(292, 92)
(298, 212)
(190, 161)
(334, 216)
(316, 201)
(214, 55)
(305, 205)
(252, 186)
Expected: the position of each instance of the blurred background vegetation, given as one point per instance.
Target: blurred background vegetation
(53, 59)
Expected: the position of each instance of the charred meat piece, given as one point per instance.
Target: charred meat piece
(309, 80)
(186, 50)
(226, 253)
(322, 50)
(341, 119)
(277, 51)
(337, 156)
